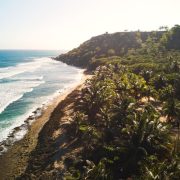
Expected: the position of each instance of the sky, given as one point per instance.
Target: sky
(65, 24)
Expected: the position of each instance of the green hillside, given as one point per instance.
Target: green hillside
(121, 44)
(105, 45)
(125, 121)
(127, 118)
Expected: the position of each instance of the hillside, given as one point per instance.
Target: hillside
(123, 123)
(121, 44)
(103, 46)
(126, 121)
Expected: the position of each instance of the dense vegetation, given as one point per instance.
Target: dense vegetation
(128, 114)
(105, 45)
(120, 44)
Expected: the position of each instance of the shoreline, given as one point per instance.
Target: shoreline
(19, 151)
(20, 131)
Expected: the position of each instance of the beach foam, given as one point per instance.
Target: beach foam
(27, 87)
(24, 121)
(24, 67)
(12, 91)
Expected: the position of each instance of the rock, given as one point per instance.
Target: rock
(11, 135)
(7, 144)
(30, 117)
(1, 149)
(16, 128)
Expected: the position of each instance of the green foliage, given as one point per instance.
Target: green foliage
(155, 170)
(98, 97)
(171, 108)
(122, 44)
(97, 172)
(173, 38)
(132, 84)
(102, 46)
(120, 133)
(94, 63)
(136, 82)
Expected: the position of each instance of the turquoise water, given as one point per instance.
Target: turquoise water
(29, 79)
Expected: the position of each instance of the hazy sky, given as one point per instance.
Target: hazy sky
(64, 24)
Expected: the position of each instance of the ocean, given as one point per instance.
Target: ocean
(28, 81)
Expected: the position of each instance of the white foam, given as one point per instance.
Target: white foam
(12, 91)
(24, 67)
(18, 84)
(29, 78)
(5, 132)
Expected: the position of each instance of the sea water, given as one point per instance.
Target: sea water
(29, 79)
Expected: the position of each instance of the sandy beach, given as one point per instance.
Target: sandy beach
(14, 162)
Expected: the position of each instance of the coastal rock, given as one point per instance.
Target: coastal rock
(17, 129)
(1, 149)
(30, 117)
(8, 143)
(11, 135)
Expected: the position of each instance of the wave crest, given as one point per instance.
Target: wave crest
(24, 67)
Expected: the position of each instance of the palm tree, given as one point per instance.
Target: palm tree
(172, 109)
(147, 136)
